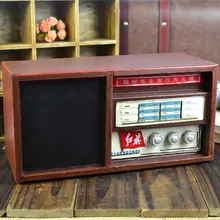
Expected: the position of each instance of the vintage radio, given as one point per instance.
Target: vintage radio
(94, 115)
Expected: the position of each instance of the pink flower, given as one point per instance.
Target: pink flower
(37, 29)
(44, 26)
(51, 36)
(52, 21)
(61, 34)
(61, 25)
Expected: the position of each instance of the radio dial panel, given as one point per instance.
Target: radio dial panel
(159, 111)
(156, 141)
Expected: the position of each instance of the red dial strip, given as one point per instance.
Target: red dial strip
(155, 81)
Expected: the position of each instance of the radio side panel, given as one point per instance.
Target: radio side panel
(9, 120)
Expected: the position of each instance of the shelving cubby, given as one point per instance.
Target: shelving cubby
(13, 54)
(63, 10)
(96, 50)
(15, 24)
(55, 52)
(92, 29)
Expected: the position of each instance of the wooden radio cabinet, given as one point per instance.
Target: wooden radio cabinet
(92, 115)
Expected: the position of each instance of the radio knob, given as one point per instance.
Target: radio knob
(189, 136)
(173, 138)
(155, 139)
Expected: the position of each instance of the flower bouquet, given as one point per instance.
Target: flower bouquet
(50, 29)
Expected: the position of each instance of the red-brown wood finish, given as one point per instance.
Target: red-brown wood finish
(124, 25)
(164, 26)
(187, 23)
(109, 111)
(110, 66)
(9, 125)
(131, 18)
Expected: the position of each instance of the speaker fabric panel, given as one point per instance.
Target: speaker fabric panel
(62, 123)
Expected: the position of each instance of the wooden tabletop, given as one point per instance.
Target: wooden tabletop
(182, 191)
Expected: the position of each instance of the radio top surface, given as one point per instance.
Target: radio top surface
(119, 65)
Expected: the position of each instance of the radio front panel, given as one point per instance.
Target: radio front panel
(159, 111)
(108, 114)
(155, 141)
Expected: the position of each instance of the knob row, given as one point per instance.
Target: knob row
(172, 138)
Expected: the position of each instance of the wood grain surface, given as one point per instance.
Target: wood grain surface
(108, 195)
(208, 177)
(7, 183)
(170, 192)
(43, 199)
(88, 20)
(143, 19)
(10, 22)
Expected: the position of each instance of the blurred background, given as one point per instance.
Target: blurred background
(154, 26)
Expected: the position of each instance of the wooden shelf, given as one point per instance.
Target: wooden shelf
(89, 23)
(92, 29)
(55, 44)
(15, 46)
(97, 42)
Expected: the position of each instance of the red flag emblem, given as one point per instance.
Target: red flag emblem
(132, 139)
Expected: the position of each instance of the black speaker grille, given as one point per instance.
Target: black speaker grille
(62, 123)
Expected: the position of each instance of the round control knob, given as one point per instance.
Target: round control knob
(173, 138)
(155, 139)
(189, 136)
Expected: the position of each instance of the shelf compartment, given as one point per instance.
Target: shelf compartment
(15, 20)
(57, 52)
(98, 19)
(62, 10)
(13, 55)
(97, 50)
